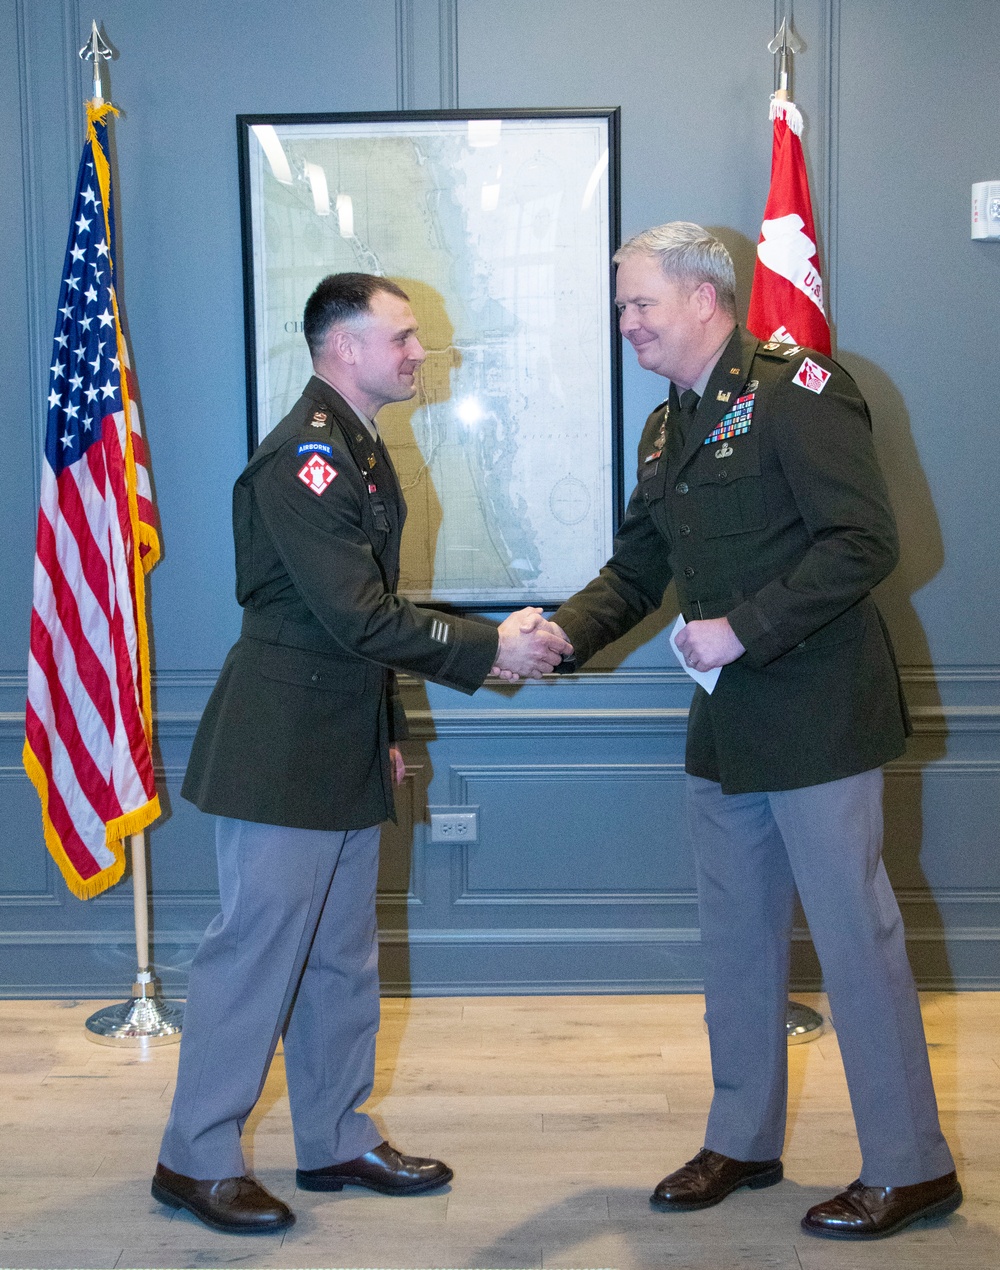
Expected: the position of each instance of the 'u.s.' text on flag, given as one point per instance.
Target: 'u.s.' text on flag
(89, 724)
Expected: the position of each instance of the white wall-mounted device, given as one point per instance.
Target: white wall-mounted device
(986, 210)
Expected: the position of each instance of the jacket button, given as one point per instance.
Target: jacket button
(315, 676)
(723, 474)
(685, 529)
(688, 571)
(681, 487)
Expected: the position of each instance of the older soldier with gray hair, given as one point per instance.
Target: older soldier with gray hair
(760, 495)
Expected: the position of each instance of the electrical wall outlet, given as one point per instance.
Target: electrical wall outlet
(455, 826)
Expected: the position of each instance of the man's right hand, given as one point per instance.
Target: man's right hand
(529, 647)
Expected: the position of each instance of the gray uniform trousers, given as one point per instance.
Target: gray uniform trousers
(294, 950)
(752, 852)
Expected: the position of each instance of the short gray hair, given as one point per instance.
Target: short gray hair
(689, 254)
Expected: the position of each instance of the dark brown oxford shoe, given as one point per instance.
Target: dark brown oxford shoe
(709, 1178)
(383, 1169)
(872, 1212)
(234, 1205)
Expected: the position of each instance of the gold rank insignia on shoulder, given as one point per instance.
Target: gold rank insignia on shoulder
(319, 418)
(771, 345)
(723, 396)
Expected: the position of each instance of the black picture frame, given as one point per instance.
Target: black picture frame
(404, 194)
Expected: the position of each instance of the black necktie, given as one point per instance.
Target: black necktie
(683, 410)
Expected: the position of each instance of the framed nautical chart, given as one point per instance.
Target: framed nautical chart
(500, 226)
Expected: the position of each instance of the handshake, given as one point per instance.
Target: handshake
(530, 646)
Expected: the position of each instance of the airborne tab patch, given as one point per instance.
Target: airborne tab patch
(810, 375)
(306, 447)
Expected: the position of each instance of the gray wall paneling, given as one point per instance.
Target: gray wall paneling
(582, 877)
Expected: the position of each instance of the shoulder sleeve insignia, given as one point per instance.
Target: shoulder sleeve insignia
(812, 376)
(317, 475)
(308, 447)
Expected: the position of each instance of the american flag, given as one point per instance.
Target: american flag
(89, 723)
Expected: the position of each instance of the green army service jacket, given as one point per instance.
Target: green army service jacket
(298, 728)
(775, 515)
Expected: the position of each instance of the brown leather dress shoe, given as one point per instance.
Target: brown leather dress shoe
(709, 1178)
(234, 1205)
(872, 1212)
(383, 1169)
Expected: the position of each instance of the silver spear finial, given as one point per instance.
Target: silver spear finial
(784, 44)
(96, 51)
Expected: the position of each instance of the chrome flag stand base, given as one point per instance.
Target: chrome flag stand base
(802, 1023)
(146, 1020)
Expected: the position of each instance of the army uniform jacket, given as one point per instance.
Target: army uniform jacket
(775, 515)
(298, 728)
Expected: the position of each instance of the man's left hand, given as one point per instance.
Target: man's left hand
(709, 643)
(398, 765)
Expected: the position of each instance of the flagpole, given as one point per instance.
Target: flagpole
(145, 1020)
(802, 1022)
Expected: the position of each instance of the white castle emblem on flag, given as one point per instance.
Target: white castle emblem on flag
(787, 251)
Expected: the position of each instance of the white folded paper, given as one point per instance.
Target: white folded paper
(707, 678)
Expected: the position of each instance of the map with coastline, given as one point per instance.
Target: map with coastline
(490, 227)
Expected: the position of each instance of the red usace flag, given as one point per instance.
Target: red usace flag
(786, 301)
(88, 743)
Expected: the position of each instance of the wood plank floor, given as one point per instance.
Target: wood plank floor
(558, 1115)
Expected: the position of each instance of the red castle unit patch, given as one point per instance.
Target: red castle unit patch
(317, 474)
(811, 376)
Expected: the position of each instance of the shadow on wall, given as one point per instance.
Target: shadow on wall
(414, 445)
(412, 442)
(921, 558)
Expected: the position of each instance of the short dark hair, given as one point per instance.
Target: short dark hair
(341, 297)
